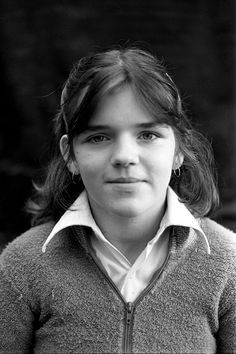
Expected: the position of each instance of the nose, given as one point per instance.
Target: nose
(125, 152)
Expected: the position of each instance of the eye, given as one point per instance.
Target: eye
(96, 139)
(149, 136)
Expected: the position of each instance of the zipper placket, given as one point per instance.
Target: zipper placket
(130, 306)
(128, 327)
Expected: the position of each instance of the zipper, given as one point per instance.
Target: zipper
(129, 309)
(128, 327)
(129, 306)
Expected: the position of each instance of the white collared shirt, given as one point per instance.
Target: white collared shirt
(131, 279)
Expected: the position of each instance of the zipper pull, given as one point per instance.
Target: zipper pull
(129, 312)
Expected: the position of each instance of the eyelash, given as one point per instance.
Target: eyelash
(93, 138)
(153, 134)
(96, 139)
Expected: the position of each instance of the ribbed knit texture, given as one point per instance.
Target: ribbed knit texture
(61, 302)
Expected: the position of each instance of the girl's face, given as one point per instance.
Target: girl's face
(125, 158)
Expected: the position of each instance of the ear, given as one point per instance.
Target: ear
(178, 161)
(65, 151)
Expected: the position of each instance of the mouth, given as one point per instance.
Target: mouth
(125, 180)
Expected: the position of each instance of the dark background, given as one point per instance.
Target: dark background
(40, 40)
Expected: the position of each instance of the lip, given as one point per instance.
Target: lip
(125, 180)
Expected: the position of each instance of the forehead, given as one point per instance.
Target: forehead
(121, 107)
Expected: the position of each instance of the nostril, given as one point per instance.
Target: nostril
(122, 163)
(125, 160)
(125, 152)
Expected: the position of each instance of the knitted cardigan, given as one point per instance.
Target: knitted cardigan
(61, 301)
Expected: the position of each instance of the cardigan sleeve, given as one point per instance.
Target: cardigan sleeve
(17, 304)
(16, 319)
(20, 287)
(226, 336)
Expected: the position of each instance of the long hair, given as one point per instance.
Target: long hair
(89, 81)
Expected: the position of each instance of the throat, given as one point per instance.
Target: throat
(129, 235)
(130, 240)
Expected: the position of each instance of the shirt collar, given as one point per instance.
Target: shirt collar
(177, 214)
(80, 214)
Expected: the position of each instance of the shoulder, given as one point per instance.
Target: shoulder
(220, 265)
(21, 260)
(25, 247)
(218, 234)
(222, 240)
(32, 238)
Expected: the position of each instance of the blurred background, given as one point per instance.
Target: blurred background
(40, 40)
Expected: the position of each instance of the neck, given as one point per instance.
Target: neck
(129, 235)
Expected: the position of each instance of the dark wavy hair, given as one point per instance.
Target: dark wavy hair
(90, 79)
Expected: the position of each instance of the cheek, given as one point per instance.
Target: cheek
(86, 169)
(88, 175)
(89, 166)
(162, 161)
(83, 159)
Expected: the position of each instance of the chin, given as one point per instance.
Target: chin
(126, 210)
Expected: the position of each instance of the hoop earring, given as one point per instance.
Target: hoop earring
(75, 178)
(177, 172)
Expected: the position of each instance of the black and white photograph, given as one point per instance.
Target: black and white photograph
(118, 177)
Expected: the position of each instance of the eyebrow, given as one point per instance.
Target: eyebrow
(149, 125)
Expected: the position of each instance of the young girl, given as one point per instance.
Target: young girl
(122, 258)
